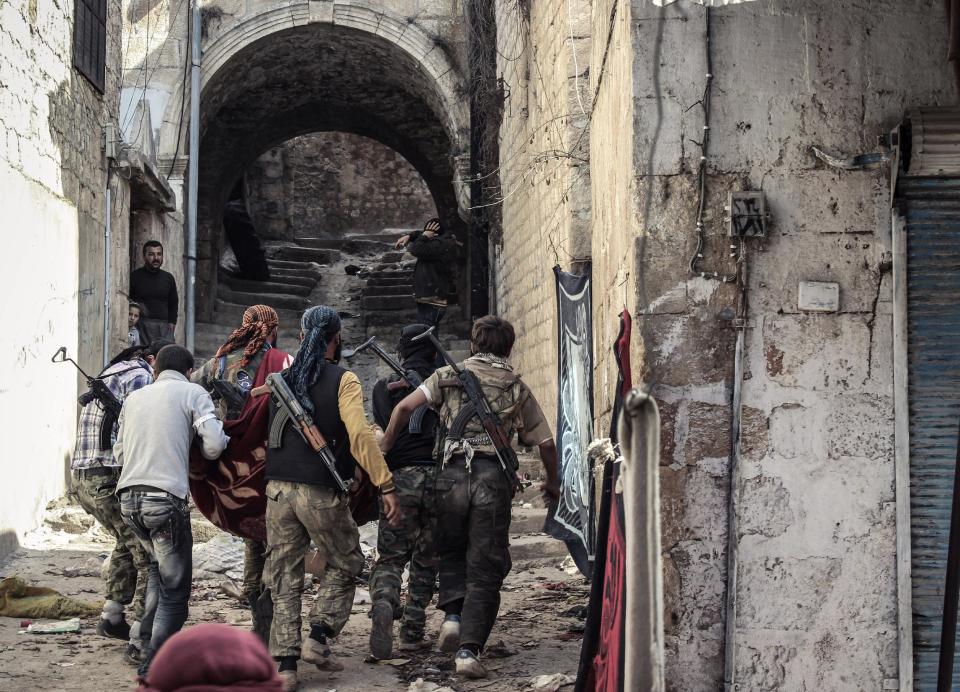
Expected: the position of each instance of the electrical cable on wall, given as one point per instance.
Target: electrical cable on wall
(704, 143)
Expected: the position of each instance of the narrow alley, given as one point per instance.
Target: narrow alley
(695, 267)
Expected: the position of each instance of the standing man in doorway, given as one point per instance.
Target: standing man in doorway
(434, 251)
(156, 290)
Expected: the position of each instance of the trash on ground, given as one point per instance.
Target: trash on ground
(18, 599)
(552, 585)
(551, 683)
(577, 611)
(499, 650)
(421, 685)
(228, 587)
(361, 596)
(60, 627)
(568, 566)
(221, 555)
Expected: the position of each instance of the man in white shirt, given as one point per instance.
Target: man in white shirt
(157, 426)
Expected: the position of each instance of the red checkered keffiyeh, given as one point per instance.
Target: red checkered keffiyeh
(258, 323)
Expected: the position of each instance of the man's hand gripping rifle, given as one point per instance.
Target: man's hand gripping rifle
(290, 409)
(99, 391)
(408, 378)
(488, 419)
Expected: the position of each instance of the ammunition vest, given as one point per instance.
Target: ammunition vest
(295, 460)
(502, 389)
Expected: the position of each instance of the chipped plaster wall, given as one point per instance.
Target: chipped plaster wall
(817, 536)
(52, 174)
(544, 60)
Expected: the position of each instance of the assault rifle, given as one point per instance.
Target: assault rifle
(408, 378)
(488, 419)
(230, 395)
(289, 409)
(98, 391)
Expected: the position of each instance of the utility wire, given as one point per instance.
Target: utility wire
(704, 143)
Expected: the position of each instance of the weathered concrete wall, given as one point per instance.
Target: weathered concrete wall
(817, 576)
(327, 183)
(544, 174)
(53, 177)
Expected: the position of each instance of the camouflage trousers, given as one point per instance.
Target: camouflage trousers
(254, 559)
(127, 573)
(413, 542)
(297, 513)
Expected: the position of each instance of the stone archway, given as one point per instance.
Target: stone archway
(325, 66)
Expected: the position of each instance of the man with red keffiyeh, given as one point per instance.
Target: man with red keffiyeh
(243, 362)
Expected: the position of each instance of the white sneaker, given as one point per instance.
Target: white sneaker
(319, 655)
(288, 680)
(468, 664)
(449, 639)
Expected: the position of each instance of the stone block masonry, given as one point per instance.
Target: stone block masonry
(328, 183)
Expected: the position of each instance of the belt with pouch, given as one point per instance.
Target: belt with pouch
(96, 472)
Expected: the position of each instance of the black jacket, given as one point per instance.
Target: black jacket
(295, 460)
(408, 449)
(435, 257)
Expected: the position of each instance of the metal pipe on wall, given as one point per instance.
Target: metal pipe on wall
(107, 278)
(733, 500)
(190, 302)
(643, 654)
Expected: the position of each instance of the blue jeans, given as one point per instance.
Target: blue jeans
(162, 523)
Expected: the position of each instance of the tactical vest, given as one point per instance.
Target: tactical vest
(460, 425)
(296, 461)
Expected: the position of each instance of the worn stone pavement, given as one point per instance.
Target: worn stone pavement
(532, 637)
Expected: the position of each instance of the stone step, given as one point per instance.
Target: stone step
(274, 286)
(352, 246)
(384, 303)
(304, 254)
(390, 280)
(226, 312)
(527, 519)
(537, 546)
(376, 291)
(300, 277)
(392, 256)
(387, 235)
(274, 300)
(298, 265)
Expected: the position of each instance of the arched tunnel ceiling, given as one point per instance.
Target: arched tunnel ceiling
(321, 77)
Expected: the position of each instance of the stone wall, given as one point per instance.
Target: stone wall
(817, 524)
(332, 182)
(53, 175)
(544, 59)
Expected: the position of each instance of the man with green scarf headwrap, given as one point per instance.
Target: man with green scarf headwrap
(304, 502)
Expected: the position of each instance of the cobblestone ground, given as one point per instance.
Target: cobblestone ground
(533, 635)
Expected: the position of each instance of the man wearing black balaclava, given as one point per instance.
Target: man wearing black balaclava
(411, 462)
